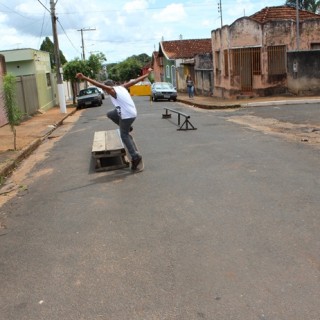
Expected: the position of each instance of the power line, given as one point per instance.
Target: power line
(67, 36)
(44, 15)
(15, 12)
(44, 6)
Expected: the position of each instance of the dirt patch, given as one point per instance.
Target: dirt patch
(24, 175)
(289, 131)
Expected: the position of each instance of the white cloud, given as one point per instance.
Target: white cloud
(171, 13)
(135, 5)
(123, 27)
(206, 23)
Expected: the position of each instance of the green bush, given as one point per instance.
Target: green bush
(14, 114)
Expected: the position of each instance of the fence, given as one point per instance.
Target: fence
(27, 94)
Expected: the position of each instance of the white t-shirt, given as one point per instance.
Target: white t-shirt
(125, 102)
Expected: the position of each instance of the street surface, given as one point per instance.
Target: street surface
(222, 224)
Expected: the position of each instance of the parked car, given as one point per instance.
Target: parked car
(100, 90)
(163, 90)
(89, 97)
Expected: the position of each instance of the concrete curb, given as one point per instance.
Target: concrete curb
(209, 107)
(26, 151)
(248, 104)
(280, 103)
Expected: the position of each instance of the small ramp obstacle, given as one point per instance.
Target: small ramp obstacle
(108, 151)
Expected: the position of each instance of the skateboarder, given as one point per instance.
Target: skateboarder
(125, 111)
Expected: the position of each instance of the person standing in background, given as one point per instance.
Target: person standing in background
(190, 86)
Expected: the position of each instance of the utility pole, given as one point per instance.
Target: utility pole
(220, 10)
(82, 30)
(62, 100)
(297, 23)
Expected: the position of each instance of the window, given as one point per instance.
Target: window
(226, 63)
(168, 72)
(315, 46)
(217, 62)
(256, 60)
(48, 79)
(276, 60)
(248, 59)
(173, 75)
(236, 61)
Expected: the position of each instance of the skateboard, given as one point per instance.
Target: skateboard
(140, 166)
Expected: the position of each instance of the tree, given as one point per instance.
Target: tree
(309, 5)
(48, 46)
(14, 114)
(96, 63)
(70, 69)
(90, 68)
(129, 68)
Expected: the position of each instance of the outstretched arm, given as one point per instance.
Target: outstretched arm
(108, 89)
(133, 82)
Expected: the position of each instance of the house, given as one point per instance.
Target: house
(203, 70)
(145, 68)
(35, 89)
(156, 65)
(176, 59)
(250, 55)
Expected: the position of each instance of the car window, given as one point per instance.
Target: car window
(86, 92)
(163, 86)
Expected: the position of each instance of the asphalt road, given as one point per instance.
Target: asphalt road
(222, 224)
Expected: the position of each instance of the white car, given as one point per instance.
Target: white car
(163, 90)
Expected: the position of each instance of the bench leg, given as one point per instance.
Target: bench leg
(187, 123)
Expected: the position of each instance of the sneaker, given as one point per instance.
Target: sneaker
(135, 163)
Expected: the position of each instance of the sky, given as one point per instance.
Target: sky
(117, 28)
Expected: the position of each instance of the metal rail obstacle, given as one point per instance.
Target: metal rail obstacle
(186, 125)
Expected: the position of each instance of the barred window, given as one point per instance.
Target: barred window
(226, 63)
(276, 60)
(246, 57)
(217, 62)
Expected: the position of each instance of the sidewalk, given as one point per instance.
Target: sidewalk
(32, 132)
(219, 103)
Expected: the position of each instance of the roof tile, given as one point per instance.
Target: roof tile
(185, 49)
(282, 13)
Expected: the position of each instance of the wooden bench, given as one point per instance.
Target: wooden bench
(186, 125)
(108, 151)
